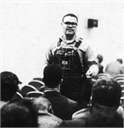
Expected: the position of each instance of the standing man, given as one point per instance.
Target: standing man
(75, 57)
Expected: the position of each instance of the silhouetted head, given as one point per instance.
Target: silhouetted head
(19, 114)
(106, 92)
(52, 75)
(9, 85)
(120, 61)
(100, 58)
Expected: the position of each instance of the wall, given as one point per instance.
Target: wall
(30, 27)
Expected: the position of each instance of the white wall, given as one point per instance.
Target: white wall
(30, 27)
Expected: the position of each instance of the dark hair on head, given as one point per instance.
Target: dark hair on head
(120, 61)
(52, 75)
(100, 58)
(69, 14)
(19, 114)
(106, 92)
(9, 85)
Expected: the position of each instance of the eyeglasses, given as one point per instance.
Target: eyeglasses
(71, 23)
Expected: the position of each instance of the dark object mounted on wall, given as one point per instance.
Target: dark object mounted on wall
(92, 23)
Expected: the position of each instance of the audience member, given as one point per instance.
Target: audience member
(104, 119)
(9, 85)
(46, 119)
(100, 59)
(114, 68)
(120, 61)
(106, 94)
(62, 106)
(76, 58)
(19, 114)
(43, 105)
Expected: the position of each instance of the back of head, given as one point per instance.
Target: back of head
(43, 105)
(19, 114)
(106, 92)
(52, 75)
(9, 85)
(100, 58)
(120, 61)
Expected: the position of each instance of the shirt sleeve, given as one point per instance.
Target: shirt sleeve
(50, 54)
(90, 56)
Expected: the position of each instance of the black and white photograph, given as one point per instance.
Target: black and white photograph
(62, 63)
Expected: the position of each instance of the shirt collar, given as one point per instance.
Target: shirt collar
(75, 38)
(51, 89)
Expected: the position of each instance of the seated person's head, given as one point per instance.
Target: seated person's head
(19, 114)
(120, 61)
(99, 58)
(52, 75)
(104, 119)
(9, 85)
(106, 92)
(43, 105)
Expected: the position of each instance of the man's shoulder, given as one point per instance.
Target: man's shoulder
(77, 39)
(84, 44)
(48, 120)
(83, 113)
(80, 43)
(69, 100)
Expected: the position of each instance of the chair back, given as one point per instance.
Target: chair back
(34, 94)
(26, 89)
(120, 79)
(17, 96)
(36, 83)
(41, 89)
(104, 75)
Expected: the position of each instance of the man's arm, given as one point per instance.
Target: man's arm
(49, 57)
(93, 66)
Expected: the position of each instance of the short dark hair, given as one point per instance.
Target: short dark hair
(52, 75)
(19, 114)
(100, 58)
(120, 61)
(70, 14)
(106, 92)
(9, 85)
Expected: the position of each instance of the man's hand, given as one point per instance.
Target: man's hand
(92, 71)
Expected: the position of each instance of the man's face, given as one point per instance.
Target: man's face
(69, 25)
